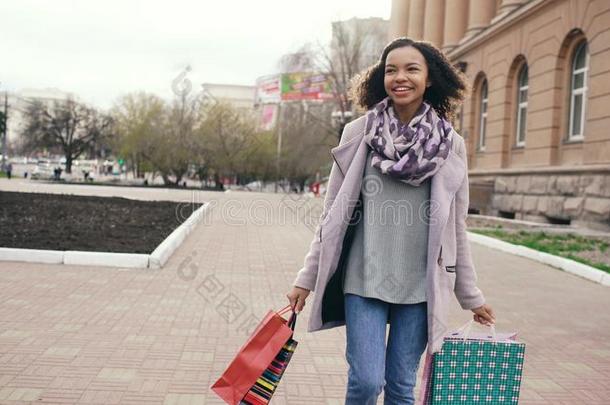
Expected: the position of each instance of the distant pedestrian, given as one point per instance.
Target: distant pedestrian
(57, 173)
(315, 188)
(9, 170)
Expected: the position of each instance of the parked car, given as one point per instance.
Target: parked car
(254, 186)
(43, 170)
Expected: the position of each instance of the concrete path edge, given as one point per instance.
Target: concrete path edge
(163, 252)
(570, 266)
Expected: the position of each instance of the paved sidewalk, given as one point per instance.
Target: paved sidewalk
(75, 334)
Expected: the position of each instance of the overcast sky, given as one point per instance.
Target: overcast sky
(102, 49)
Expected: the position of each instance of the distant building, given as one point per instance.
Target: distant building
(239, 96)
(536, 123)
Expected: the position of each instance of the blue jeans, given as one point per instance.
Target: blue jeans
(372, 367)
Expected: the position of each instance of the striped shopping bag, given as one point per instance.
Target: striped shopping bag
(265, 386)
(474, 368)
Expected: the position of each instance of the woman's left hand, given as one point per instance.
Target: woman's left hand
(484, 315)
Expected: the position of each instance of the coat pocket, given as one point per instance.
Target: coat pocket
(450, 277)
(447, 272)
(446, 259)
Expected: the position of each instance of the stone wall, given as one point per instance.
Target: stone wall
(581, 198)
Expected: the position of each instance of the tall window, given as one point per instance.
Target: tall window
(483, 115)
(578, 91)
(522, 87)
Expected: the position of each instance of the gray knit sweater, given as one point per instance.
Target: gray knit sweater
(387, 259)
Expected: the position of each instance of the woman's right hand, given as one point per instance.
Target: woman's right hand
(297, 297)
(484, 315)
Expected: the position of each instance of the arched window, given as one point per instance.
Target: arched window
(578, 91)
(522, 88)
(483, 115)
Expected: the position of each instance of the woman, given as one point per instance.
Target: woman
(369, 271)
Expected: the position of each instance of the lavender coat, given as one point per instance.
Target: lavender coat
(450, 269)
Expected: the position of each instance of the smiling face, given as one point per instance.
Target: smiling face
(406, 78)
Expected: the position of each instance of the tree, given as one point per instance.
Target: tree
(139, 119)
(307, 137)
(193, 134)
(68, 125)
(261, 154)
(156, 135)
(2, 122)
(355, 45)
(228, 141)
(179, 148)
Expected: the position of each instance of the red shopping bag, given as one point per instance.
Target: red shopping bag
(254, 357)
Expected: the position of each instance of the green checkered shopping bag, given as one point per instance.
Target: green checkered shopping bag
(478, 369)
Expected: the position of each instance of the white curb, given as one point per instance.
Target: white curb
(162, 253)
(155, 260)
(570, 266)
(31, 255)
(106, 259)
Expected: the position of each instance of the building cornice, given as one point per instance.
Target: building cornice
(580, 169)
(243, 86)
(496, 28)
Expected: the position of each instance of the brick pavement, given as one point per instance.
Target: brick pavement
(76, 334)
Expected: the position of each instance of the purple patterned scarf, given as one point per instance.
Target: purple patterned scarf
(408, 152)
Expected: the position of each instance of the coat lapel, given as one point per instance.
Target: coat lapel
(344, 154)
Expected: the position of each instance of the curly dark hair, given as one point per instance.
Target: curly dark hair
(447, 87)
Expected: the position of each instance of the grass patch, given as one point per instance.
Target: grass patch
(571, 246)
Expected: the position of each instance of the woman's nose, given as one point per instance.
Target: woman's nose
(401, 76)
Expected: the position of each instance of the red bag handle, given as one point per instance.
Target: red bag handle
(283, 310)
(293, 318)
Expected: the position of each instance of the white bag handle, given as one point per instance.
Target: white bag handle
(468, 325)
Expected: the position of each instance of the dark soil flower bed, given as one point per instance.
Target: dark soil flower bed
(99, 224)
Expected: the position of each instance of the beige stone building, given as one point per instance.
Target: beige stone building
(239, 96)
(537, 121)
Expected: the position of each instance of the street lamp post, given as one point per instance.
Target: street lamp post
(279, 145)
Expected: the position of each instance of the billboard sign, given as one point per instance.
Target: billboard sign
(268, 89)
(305, 86)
